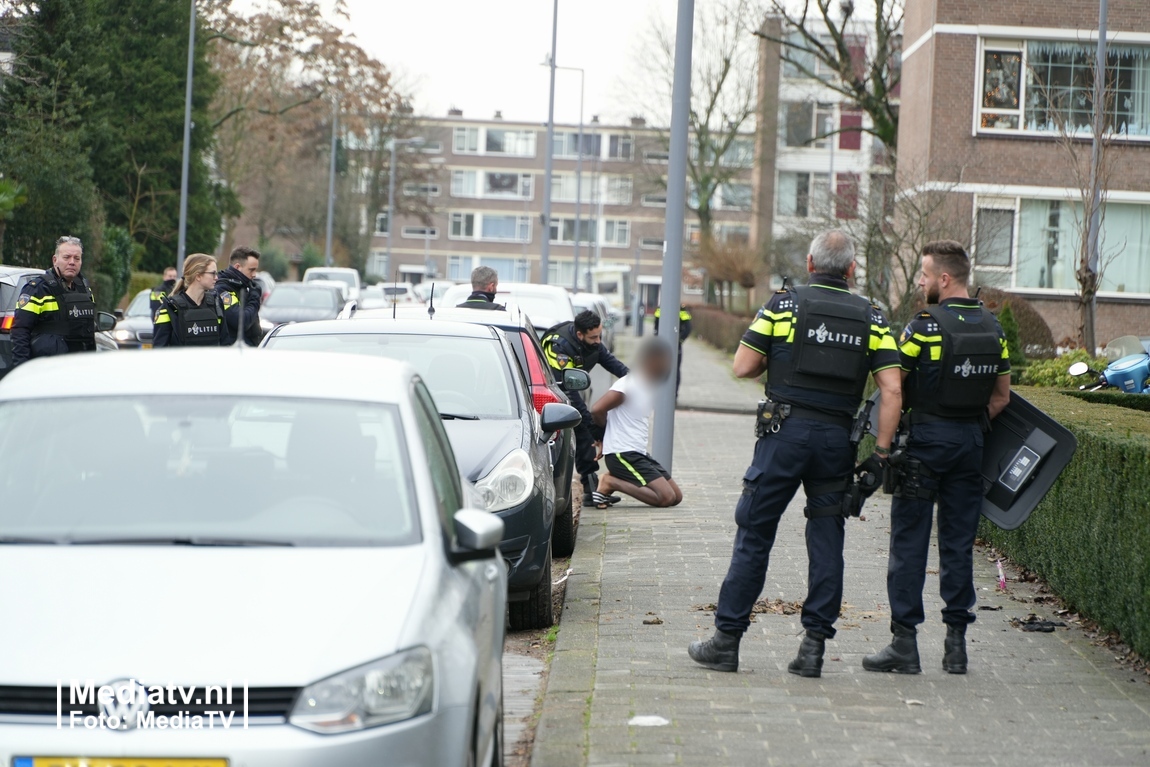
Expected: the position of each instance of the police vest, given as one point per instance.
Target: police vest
(830, 352)
(75, 320)
(968, 370)
(574, 349)
(199, 325)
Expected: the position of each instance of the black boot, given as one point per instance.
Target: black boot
(590, 485)
(954, 656)
(720, 652)
(900, 656)
(809, 661)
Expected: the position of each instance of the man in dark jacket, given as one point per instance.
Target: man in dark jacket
(578, 345)
(684, 333)
(239, 277)
(484, 286)
(55, 313)
(162, 291)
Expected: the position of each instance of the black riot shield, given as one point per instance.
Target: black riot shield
(1024, 452)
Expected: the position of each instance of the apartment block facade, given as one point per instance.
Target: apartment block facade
(485, 188)
(995, 97)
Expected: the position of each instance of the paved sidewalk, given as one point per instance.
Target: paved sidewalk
(709, 384)
(638, 595)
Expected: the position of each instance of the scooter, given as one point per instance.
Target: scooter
(1129, 372)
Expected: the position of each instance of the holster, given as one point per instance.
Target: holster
(769, 417)
(910, 478)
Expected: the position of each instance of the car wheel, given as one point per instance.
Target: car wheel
(497, 745)
(563, 532)
(535, 612)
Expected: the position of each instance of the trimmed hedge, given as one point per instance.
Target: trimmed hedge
(1090, 537)
(1053, 372)
(141, 281)
(1117, 398)
(718, 328)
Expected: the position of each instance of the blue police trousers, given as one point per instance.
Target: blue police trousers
(802, 452)
(953, 451)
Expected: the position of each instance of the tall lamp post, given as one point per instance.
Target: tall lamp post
(414, 141)
(548, 162)
(328, 260)
(182, 246)
(578, 176)
(432, 164)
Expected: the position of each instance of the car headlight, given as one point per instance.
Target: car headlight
(382, 692)
(509, 484)
(123, 335)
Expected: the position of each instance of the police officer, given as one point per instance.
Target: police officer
(55, 313)
(578, 345)
(817, 344)
(193, 315)
(956, 369)
(484, 286)
(240, 279)
(156, 297)
(684, 333)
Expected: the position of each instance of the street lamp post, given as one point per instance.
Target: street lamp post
(549, 150)
(182, 245)
(327, 256)
(578, 176)
(431, 165)
(414, 141)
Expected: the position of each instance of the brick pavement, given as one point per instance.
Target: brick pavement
(1037, 699)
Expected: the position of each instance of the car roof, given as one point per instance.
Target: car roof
(510, 316)
(312, 285)
(330, 269)
(17, 271)
(397, 326)
(212, 371)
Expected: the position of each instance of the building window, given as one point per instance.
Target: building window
(465, 140)
(463, 183)
(412, 189)
(377, 262)
(657, 156)
(619, 190)
(566, 145)
(846, 200)
(505, 228)
(459, 268)
(563, 230)
(993, 246)
(740, 154)
(617, 233)
(508, 185)
(619, 147)
(735, 196)
(565, 185)
(1047, 87)
(560, 272)
(420, 232)
(694, 234)
(803, 195)
(432, 147)
(807, 124)
(517, 143)
(735, 234)
(381, 223)
(462, 226)
(651, 243)
(654, 200)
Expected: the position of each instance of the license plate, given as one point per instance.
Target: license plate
(102, 761)
(145, 346)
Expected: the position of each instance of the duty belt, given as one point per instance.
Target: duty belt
(770, 416)
(915, 417)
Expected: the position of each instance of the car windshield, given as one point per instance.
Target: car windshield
(540, 306)
(186, 469)
(345, 277)
(395, 291)
(466, 376)
(296, 296)
(141, 305)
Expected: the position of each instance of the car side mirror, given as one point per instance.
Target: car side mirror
(1078, 369)
(105, 321)
(576, 380)
(556, 416)
(349, 308)
(477, 534)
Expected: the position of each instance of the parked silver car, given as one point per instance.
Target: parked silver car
(278, 556)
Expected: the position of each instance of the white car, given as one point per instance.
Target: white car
(349, 277)
(272, 568)
(423, 291)
(546, 305)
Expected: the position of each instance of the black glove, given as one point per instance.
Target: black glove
(874, 464)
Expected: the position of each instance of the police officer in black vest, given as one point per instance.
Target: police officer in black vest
(817, 344)
(579, 345)
(55, 313)
(161, 291)
(956, 371)
(484, 286)
(193, 315)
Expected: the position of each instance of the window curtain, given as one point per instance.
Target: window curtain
(1132, 101)
(1125, 248)
(1047, 244)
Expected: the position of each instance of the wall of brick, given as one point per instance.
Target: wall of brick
(1113, 318)
(1130, 15)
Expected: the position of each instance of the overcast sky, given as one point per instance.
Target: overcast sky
(486, 55)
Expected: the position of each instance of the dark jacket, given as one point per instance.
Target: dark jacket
(229, 285)
(167, 329)
(563, 349)
(480, 300)
(38, 327)
(684, 323)
(158, 294)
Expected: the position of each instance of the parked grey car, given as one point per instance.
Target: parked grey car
(292, 532)
(135, 329)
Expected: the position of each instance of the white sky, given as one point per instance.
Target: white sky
(486, 55)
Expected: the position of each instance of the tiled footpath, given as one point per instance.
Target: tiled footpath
(639, 592)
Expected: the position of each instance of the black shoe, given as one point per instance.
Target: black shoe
(954, 646)
(809, 661)
(900, 656)
(720, 652)
(590, 485)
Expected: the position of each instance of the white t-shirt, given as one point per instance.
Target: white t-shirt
(627, 425)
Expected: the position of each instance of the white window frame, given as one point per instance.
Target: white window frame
(522, 228)
(614, 225)
(432, 147)
(522, 135)
(381, 216)
(620, 140)
(656, 156)
(526, 180)
(467, 132)
(460, 217)
(420, 232)
(654, 200)
(743, 208)
(582, 221)
(620, 190)
(651, 243)
(420, 189)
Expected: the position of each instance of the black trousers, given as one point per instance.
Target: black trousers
(953, 451)
(585, 462)
(803, 452)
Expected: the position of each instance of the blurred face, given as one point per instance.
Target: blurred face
(592, 337)
(67, 260)
(170, 273)
(657, 367)
(930, 282)
(249, 268)
(207, 280)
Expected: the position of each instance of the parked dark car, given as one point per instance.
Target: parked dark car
(135, 328)
(500, 441)
(524, 339)
(300, 302)
(12, 280)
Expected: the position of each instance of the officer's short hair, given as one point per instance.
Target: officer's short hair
(69, 240)
(833, 252)
(482, 276)
(950, 258)
(241, 255)
(587, 320)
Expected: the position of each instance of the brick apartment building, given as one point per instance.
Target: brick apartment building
(487, 201)
(981, 80)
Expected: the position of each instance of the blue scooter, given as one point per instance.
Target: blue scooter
(1129, 372)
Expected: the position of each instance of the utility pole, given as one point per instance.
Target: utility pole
(1094, 230)
(548, 160)
(328, 260)
(664, 443)
(182, 245)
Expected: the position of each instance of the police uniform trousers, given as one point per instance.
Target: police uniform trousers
(585, 462)
(803, 452)
(952, 450)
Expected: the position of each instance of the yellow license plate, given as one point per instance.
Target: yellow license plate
(145, 346)
(102, 761)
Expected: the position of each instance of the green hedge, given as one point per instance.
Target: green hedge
(1053, 372)
(141, 281)
(1117, 398)
(718, 328)
(1090, 537)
